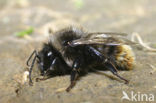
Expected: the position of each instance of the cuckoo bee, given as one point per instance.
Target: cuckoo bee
(74, 51)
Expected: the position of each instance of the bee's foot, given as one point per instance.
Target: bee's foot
(31, 83)
(126, 81)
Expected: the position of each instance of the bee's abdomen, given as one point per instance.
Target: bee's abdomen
(122, 56)
(125, 58)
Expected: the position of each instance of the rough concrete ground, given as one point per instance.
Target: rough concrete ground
(111, 15)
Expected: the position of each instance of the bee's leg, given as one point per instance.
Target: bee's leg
(102, 58)
(41, 79)
(113, 69)
(74, 74)
(73, 77)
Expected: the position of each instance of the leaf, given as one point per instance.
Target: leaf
(23, 33)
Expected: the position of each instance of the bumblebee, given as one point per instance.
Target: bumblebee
(76, 52)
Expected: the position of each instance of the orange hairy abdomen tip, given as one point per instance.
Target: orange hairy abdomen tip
(125, 57)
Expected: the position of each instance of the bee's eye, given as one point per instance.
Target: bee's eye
(49, 54)
(65, 43)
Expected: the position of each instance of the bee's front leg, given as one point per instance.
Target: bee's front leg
(43, 78)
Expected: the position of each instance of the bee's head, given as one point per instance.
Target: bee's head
(46, 60)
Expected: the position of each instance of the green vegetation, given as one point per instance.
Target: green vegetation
(23, 33)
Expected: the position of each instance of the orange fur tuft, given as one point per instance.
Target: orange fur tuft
(125, 57)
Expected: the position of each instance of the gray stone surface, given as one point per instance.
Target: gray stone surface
(112, 15)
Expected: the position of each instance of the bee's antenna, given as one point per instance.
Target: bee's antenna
(31, 67)
(31, 57)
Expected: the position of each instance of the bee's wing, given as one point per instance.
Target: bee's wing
(108, 33)
(103, 39)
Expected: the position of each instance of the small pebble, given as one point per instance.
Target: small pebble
(25, 77)
(60, 90)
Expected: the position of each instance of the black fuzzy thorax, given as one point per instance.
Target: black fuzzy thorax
(61, 39)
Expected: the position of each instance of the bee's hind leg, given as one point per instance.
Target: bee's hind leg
(108, 64)
(40, 79)
(113, 69)
(43, 78)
